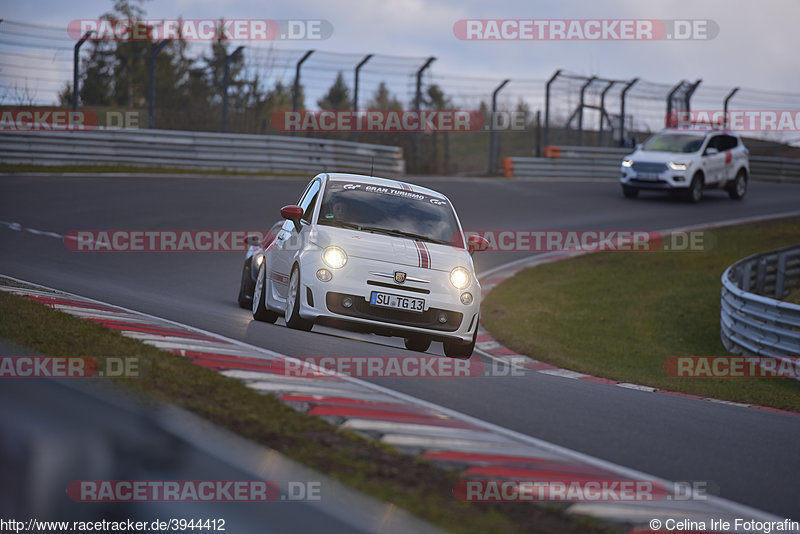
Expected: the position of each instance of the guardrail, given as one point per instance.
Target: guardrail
(599, 162)
(199, 150)
(753, 321)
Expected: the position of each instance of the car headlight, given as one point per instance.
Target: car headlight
(677, 166)
(627, 163)
(334, 257)
(459, 277)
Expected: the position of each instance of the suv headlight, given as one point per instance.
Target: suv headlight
(677, 166)
(459, 277)
(627, 162)
(334, 257)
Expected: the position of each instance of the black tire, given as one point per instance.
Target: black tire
(630, 192)
(738, 188)
(695, 192)
(244, 291)
(418, 343)
(459, 349)
(259, 305)
(292, 315)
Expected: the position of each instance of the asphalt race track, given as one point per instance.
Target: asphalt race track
(750, 455)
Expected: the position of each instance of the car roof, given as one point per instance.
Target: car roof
(704, 131)
(385, 182)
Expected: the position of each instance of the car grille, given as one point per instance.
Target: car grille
(646, 166)
(364, 310)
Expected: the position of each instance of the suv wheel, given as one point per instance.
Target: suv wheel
(738, 188)
(695, 191)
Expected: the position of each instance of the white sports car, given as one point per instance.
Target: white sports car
(369, 254)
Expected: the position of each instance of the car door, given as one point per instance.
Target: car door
(728, 146)
(714, 161)
(289, 241)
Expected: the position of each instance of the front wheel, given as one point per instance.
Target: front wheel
(459, 349)
(292, 313)
(695, 192)
(260, 310)
(738, 188)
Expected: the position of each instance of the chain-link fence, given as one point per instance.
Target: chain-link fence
(217, 86)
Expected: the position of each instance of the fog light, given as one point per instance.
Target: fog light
(442, 317)
(678, 178)
(347, 302)
(466, 298)
(324, 275)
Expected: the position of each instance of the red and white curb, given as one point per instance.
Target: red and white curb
(481, 450)
(495, 350)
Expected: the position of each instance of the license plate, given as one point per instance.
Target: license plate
(387, 300)
(647, 176)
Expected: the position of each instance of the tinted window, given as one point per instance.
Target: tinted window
(727, 142)
(391, 211)
(674, 142)
(309, 200)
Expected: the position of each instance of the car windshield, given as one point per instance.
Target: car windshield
(391, 211)
(673, 142)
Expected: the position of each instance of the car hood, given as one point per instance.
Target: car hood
(661, 157)
(396, 250)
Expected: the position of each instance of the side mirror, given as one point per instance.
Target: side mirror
(253, 240)
(476, 243)
(711, 150)
(294, 214)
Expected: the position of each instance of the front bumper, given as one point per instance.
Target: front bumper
(322, 301)
(665, 180)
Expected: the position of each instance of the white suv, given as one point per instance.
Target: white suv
(688, 161)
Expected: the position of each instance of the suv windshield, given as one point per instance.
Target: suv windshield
(390, 211)
(674, 142)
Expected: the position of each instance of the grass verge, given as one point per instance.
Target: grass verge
(621, 315)
(413, 484)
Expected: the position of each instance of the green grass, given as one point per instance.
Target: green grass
(620, 315)
(134, 169)
(413, 484)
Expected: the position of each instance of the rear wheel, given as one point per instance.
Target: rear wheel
(245, 302)
(695, 192)
(630, 192)
(292, 313)
(418, 343)
(459, 349)
(260, 310)
(738, 188)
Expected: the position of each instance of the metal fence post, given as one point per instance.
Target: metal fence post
(151, 104)
(580, 109)
(547, 106)
(491, 126)
(622, 110)
(296, 88)
(725, 104)
(76, 62)
(225, 81)
(417, 106)
(354, 135)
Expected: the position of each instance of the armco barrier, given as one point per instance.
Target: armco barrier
(199, 150)
(753, 321)
(598, 162)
